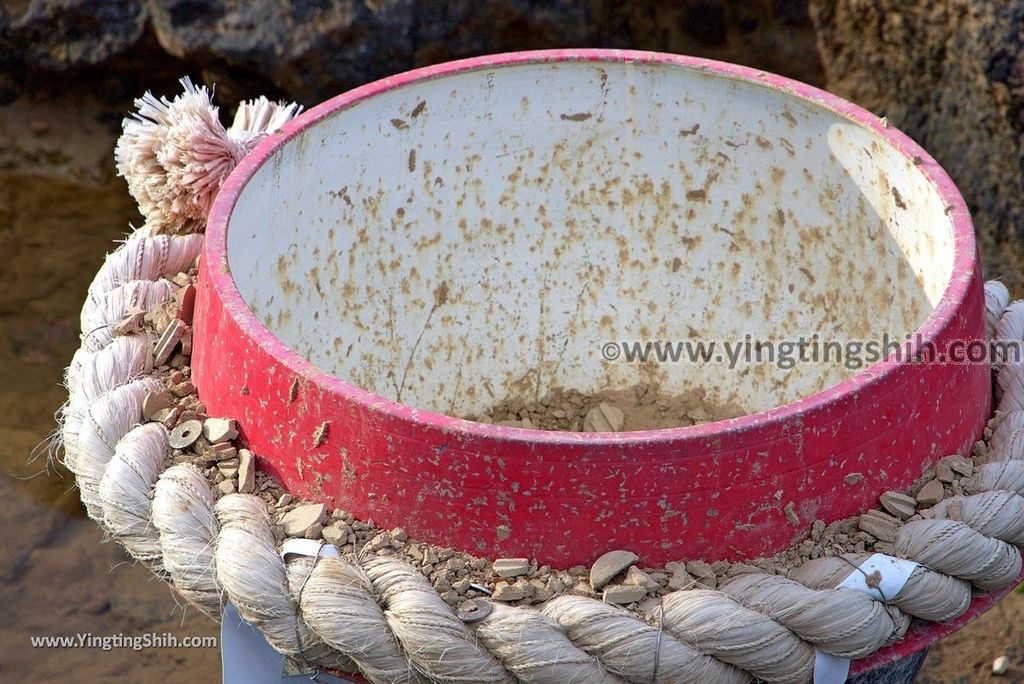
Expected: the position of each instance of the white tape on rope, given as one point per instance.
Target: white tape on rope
(881, 577)
(307, 547)
(246, 657)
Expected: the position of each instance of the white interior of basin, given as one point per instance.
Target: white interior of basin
(455, 241)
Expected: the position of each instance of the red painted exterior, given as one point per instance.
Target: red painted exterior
(566, 498)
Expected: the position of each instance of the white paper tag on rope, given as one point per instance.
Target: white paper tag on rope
(307, 547)
(881, 577)
(246, 656)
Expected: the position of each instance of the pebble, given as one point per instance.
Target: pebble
(879, 525)
(931, 494)
(1000, 665)
(168, 340)
(219, 430)
(155, 402)
(609, 565)
(296, 521)
(960, 465)
(638, 578)
(186, 434)
(680, 579)
(702, 573)
(650, 606)
(900, 505)
(336, 533)
(504, 591)
(541, 592)
(314, 531)
(623, 593)
(246, 471)
(604, 418)
(229, 467)
(511, 567)
(227, 487)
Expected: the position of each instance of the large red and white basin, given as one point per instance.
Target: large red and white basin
(425, 246)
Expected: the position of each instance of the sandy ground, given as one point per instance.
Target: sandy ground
(60, 208)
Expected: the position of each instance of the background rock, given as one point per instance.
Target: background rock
(312, 49)
(950, 74)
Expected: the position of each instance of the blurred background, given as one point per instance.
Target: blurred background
(950, 73)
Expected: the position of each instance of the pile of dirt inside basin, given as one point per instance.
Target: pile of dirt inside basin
(643, 407)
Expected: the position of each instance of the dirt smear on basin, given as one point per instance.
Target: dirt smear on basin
(643, 407)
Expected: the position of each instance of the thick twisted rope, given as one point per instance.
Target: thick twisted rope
(378, 615)
(381, 617)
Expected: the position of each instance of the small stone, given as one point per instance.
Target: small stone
(680, 579)
(221, 452)
(944, 472)
(817, 529)
(185, 435)
(511, 567)
(155, 402)
(931, 494)
(1000, 665)
(186, 344)
(604, 418)
(960, 465)
(314, 531)
(336, 533)
(227, 487)
(608, 566)
(504, 591)
(129, 325)
(296, 521)
(525, 585)
(879, 525)
(228, 468)
(638, 578)
(623, 593)
(556, 585)
(702, 573)
(399, 535)
(246, 471)
(650, 606)
(167, 341)
(900, 505)
(286, 499)
(218, 430)
(183, 389)
(853, 478)
(584, 589)
(379, 541)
